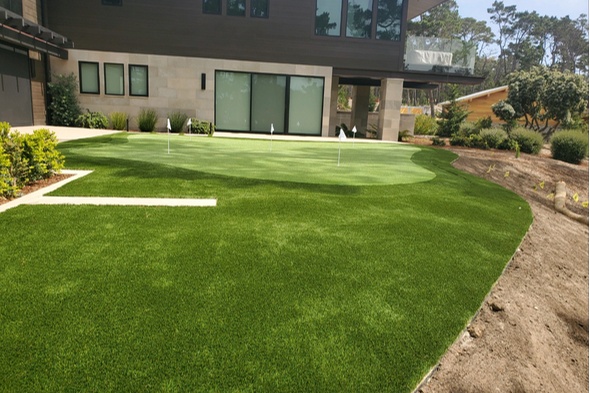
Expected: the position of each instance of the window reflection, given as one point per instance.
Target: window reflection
(359, 18)
(327, 17)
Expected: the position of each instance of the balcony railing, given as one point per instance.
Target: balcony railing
(439, 55)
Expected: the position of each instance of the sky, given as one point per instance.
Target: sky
(478, 8)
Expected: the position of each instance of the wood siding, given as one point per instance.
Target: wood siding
(179, 28)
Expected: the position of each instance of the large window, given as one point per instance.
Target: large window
(389, 19)
(327, 17)
(236, 7)
(114, 79)
(212, 6)
(254, 102)
(138, 80)
(268, 102)
(89, 83)
(232, 101)
(259, 8)
(306, 97)
(359, 18)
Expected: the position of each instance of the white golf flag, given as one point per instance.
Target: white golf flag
(168, 125)
(354, 129)
(342, 136)
(272, 128)
(189, 122)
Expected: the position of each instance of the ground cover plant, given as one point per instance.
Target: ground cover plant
(291, 284)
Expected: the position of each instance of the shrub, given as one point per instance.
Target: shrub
(459, 140)
(202, 127)
(119, 120)
(437, 141)
(425, 125)
(452, 116)
(177, 121)
(147, 119)
(63, 107)
(25, 158)
(569, 146)
(475, 140)
(40, 151)
(529, 141)
(493, 137)
(483, 123)
(94, 120)
(404, 136)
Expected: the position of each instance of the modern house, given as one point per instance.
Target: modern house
(242, 64)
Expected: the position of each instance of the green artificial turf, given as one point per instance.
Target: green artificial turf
(293, 283)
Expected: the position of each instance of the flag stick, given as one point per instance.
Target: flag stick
(272, 130)
(168, 128)
(339, 152)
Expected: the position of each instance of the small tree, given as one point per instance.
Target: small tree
(64, 107)
(541, 96)
(452, 116)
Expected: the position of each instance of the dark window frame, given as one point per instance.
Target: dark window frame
(287, 99)
(147, 80)
(106, 92)
(82, 89)
(117, 3)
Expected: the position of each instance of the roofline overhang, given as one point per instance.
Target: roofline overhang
(419, 7)
(17, 30)
(416, 77)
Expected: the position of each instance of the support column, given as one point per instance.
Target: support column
(390, 105)
(334, 106)
(360, 107)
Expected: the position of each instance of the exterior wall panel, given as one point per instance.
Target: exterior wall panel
(179, 28)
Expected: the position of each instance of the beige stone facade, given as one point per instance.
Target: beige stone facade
(175, 83)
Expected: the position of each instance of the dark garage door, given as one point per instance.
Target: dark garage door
(15, 87)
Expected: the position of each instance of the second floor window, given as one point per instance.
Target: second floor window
(359, 21)
(212, 6)
(259, 8)
(236, 7)
(327, 17)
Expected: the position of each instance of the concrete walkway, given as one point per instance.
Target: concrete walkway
(67, 133)
(38, 198)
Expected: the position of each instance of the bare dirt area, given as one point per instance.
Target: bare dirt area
(531, 334)
(32, 187)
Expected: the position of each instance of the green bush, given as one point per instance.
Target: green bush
(425, 125)
(202, 127)
(177, 121)
(529, 141)
(26, 158)
(493, 137)
(119, 120)
(483, 123)
(437, 141)
(93, 120)
(63, 106)
(468, 128)
(147, 119)
(570, 146)
(459, 140)
(40, 151)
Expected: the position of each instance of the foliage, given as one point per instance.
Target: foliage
(119, 120)
(505, 112)
(40, 151)
(63, 106)
(93, 120)
(177, 121)
(26, 158)
(493, 138)
(529, 141)
(437, 141)
(569, 146)
(147, 119)
(202, 127)
(541, 95)
(403, 136)
(451, 117)
(483, 123)
(425, 125)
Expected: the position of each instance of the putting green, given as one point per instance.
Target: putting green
(302, 162)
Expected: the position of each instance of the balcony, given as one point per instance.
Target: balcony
(439, 56)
